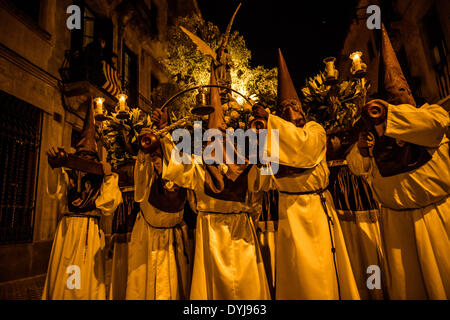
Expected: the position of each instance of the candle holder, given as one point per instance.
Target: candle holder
(122, 108)
(331, 73)
(100, 113)
(359, 68)
(201, 108)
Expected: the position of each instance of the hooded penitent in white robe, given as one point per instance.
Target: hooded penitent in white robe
(79, 244)
(123, 223)
(415, 219)
(358, 214)
(266, 229)
(159, 254)
(227, 263)
(306, 267)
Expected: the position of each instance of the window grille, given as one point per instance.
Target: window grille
(130, 76)
(20, 139)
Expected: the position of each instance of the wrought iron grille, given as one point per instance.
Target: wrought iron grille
(20, 138)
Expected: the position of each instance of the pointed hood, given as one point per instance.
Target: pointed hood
(87, 146)
(286, 89)
(214, 177)
(393, 84)
(217, 118)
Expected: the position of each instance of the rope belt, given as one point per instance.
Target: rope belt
(80, 215)
(224, 213)
(323, 201)
(320, 191)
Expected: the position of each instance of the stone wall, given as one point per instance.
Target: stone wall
(31, 54)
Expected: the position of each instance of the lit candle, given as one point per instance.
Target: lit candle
(359, 68)
(122, 102)
(331, 73)
(99, 105)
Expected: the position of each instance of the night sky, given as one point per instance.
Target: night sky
(306, 31)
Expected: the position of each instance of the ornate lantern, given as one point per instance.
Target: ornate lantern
(201, 108)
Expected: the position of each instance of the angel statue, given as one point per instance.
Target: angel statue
(221, 58)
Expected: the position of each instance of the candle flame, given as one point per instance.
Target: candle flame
(356, 55)
(99, 101)
(122, 97)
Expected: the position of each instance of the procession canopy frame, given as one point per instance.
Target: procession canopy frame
(200, 87)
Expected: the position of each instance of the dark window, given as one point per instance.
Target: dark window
(31, 8)
(104, 28)
(84, 60)
(437, 50)
(92, 27)
(435, 37)
(130, 76)
(20, 139)
(154, 18)
(75, 138)
(88, 26)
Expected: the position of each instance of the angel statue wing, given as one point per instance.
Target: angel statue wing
(226, 36)
(201, 45)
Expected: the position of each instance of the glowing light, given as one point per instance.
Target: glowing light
(122, 101)
(355, 56)
(239, 98)
(122, 97)
(99, 116)
(254, 97)
(99, 101)
(358, 68)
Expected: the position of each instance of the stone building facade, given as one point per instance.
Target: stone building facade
(420, 34)
(41, 106)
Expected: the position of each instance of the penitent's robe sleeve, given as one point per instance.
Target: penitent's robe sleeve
(425, 126)
(260, 182)
(143, 176)
(186, 171)
(297, 147)
(110, 195)
(57, 182)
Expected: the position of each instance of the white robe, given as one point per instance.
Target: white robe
(227, 263)
(362, 236)
(415, 219)
(70, 247)
(305, 267)
(119, 263)
(159, 254)
(267, 235)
